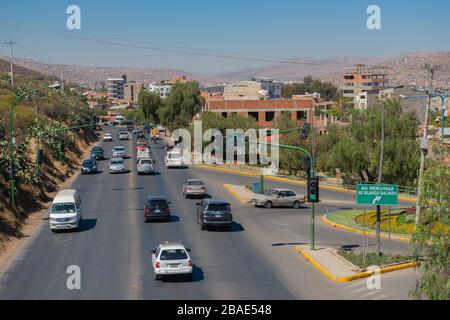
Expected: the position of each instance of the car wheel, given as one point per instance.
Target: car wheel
(296, 205)
(268, 204)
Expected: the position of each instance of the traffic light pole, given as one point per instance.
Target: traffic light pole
(312, 175)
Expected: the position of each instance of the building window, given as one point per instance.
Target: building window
(225, 115)
(301, 115)
(270, 115)
(254, 115)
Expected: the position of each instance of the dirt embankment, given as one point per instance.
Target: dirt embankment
(32, 200)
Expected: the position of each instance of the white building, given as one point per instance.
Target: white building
(256, 89)
(163, 89)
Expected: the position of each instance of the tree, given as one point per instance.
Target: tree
(149, 103)
(431, 243)
(354, 150)
(182, 104)
(326, 90)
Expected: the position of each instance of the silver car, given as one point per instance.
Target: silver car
(171, 259)
(117, 166)
(194, 187)
(145, 166)
(119, 152)
(279, 198)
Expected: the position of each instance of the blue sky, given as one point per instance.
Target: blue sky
(281, 28)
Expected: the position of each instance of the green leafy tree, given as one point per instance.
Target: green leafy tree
(354, 150)
(182, 104)
(431, 241)
(149, 103)
(326, 89)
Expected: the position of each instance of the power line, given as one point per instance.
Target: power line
(187, 51)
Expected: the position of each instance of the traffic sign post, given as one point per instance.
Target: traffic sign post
(377, 194)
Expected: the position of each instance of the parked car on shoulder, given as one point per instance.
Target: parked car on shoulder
(279, 198)
(156, 208)
(214, 213)
(171, 259)
(194, 187)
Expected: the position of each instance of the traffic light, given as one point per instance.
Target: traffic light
(306, 164)
(305, 131)
(313, 189)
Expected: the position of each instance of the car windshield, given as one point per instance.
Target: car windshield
(63, 208)
(173, 254)
(120, 149)
(146, 162)
(195, 183)
(174, 156)
(158, 204)
(116, 162)
(271, 193)
(88, 163)
(217, 207)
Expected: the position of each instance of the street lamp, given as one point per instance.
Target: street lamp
(13, 105)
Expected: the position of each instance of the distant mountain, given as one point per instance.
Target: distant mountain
(95, 77)
(404, 69)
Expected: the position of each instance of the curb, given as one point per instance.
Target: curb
(287, 180)
(356, 276)
(234, 193)
(368, 232)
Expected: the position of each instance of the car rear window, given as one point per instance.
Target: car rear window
(195, 183)
(217, 207)
(116, 162)
(158, 203)
(146, 162)
(173, 254)
(174, 156)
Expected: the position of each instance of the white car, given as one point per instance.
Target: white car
(117, 166)
(119, 152)
(65, 212)
(123, 135)
(107, 137)
(171, 259)
(145, 166)
(173, 159)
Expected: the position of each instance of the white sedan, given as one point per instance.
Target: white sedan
(171, 259)
(107, 137)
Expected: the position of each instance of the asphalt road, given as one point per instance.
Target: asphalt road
(255, 260)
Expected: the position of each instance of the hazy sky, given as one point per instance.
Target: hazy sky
(279, 28)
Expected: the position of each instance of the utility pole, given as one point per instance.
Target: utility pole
(11, 43)
(62, 76)
(424, 143)
(380, 179)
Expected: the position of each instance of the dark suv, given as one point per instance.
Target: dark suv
(214, 213)
(156, 208)
(98, 153)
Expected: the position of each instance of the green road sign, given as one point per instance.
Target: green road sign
(377, 194)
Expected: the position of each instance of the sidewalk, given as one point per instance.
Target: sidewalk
(338, 269)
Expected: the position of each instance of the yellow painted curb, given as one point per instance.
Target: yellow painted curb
(368, 232)
(356, 276)
(233, 193)
(287, 180)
